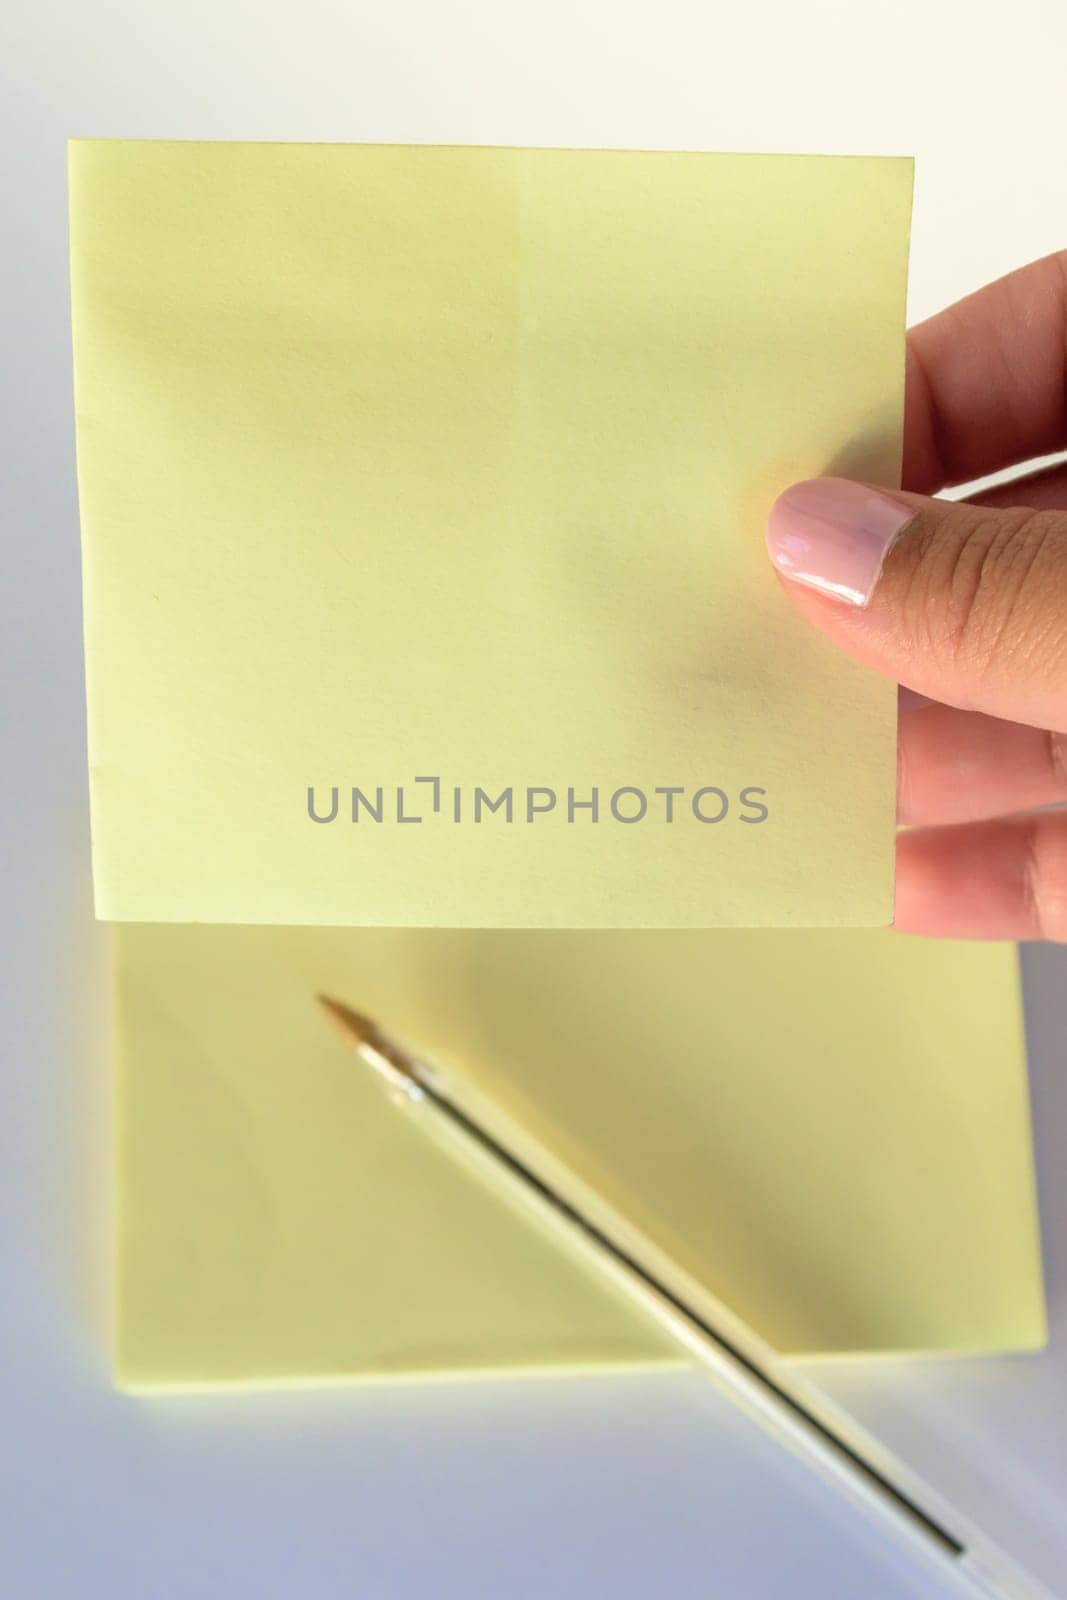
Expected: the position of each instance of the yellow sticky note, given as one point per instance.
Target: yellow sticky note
(423, 494)
(825, 1132)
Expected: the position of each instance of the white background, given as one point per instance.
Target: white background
(622, 1486)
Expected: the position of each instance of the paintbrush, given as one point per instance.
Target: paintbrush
(855, 1464)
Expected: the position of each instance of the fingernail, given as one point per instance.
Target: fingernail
(834, 535)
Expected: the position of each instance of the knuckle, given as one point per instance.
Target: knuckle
(979, 591)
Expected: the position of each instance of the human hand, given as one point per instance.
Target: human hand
(965, 603)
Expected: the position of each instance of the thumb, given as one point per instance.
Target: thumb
(964, 603)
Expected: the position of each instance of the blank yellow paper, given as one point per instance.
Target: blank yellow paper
(827, 1131)
(436, 471)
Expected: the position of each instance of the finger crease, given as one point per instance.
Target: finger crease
(1031, 879)
(935, 419)
(1056, 758)
(1044, 877)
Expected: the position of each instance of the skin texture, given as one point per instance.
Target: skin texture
(970, 612)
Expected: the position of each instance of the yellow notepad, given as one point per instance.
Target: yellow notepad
(826, 1132)
(423, 494)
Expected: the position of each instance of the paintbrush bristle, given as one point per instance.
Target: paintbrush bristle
(354, 1028)
(364, 1036)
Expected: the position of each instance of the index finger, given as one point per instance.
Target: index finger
(987, 379)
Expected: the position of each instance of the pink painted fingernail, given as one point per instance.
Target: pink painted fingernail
(833, 535)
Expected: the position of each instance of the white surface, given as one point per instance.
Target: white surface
(627, 1486)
